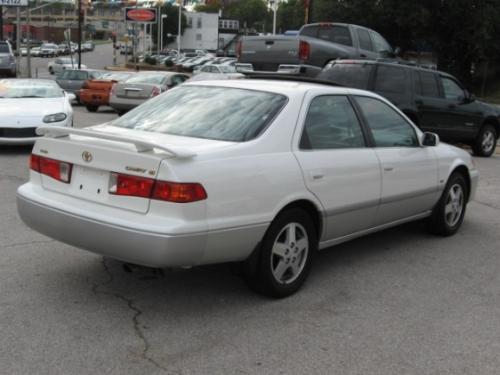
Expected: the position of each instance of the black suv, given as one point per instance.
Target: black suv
(433, 100)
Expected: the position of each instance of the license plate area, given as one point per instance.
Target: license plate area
(89, 183)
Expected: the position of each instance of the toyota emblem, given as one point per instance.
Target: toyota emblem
(86, 156)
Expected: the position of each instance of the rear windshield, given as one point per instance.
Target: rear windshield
(219, 113)
(4, 48)
(147, 78)
(74, 75)
(349, 75)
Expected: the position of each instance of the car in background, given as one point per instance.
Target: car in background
(49, 50)
(62, 63)
(7, 60)
(35, 51)
(312, 49)
(63, 49)
(95, 92)
(259, 172)
(26, 104)
(190, 65)
(141, 87)
(435, 101)
(126, 49)
(88, 46)
(71, 80)
(216, 69)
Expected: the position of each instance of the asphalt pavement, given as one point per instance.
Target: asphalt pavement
(397, 302)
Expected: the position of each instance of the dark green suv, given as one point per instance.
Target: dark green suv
(433, 100)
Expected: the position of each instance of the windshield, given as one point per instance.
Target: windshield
(14, 88)
(227, 69)
(147, 78)
(219, 113)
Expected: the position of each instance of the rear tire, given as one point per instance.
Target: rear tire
(448, 214)
(92, 108)
(284, 259)
(486, 141)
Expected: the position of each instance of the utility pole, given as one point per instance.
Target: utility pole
(1, 22)
(18, 40)
(179, 30)
(159, 33)
(80, 34)
(28, 45)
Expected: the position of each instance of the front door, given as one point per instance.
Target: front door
(338, 167)
(409, 171)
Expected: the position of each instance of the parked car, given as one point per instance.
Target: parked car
(71, 80)
(217, 69)
(49, 50)
(88, 46)
(63, 49)
(313, 48)
(26, 104)
(62, 63)
(141, 87)
(126, 50)
(35, 51)
(95, 92)
(7, 60)
(435, 101)
(261, 172)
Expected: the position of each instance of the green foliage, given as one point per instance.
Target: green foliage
(209, 8)
(290, 15)
(252, 13)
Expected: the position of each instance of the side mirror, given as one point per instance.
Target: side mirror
(430, 139)
(398, 52)
(70, 96)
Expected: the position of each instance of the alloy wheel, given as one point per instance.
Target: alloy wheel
(488, 141)
(454, 205)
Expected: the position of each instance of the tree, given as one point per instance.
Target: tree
(213, 7)
(252, 13)
(170, 24)
(290, 15)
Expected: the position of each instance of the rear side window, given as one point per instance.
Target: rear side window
(311, 31)
(391, 80)
(426, 84)
(364, 40)
(350, 75)
(335, 34)
(330, 124)
(389, 128)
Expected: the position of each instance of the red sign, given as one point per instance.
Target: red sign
(140, 14)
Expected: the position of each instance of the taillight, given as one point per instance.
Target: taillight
(58, 170)
(113, 89)
(156, 91)
(177, 192)
(122, 184)
(304, 50)
(239, 48)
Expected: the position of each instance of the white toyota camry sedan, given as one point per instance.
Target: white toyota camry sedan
(26, 104)
(262, 172)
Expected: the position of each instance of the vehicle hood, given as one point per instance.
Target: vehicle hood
(30, 107)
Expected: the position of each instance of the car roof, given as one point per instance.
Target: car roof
(402, 64)
(278, 86)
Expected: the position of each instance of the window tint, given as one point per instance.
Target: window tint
(389, 129)
(390, 79)
(4, 48)
(335, 34)
(74, 75)
(380, 43)
(311, 31)
(177, 80)
(350, 75)
(331, 123)
(364, 40)
(427, 84)
(451, 89)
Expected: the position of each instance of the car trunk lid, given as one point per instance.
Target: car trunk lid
(267, 53)
(134, 90)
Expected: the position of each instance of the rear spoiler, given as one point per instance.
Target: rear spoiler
(140, 144)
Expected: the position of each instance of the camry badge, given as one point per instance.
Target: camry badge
(86, 156)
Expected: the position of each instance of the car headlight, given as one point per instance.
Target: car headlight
(56, 117)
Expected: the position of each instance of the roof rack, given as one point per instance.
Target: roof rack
(285, 77)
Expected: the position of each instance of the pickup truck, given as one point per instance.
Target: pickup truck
(313, 48)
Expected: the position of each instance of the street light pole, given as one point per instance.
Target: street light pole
(79, 34)
(163, 16)
(179, 32)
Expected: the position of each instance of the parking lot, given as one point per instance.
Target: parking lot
(397, 302)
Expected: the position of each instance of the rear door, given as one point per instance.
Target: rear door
(409, 171)
(338, 167)
(393, 83)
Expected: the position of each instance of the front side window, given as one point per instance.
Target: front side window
(331, 123)
(364, 40)
(220, 113)
(390, 80)
(380, 44)
(451, 89)
(389, 128)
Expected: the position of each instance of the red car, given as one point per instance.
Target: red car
(95, 92)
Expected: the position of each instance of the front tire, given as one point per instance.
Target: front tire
(449, 212)
(285, 255)
(486, 141)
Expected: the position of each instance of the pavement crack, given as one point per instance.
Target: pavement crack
(27, 243)
(97, 289)
(487, 204)
(12, 177)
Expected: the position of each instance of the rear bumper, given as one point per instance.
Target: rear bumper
(94, 97)
(125, 104)
(123, 243)
(284, 69)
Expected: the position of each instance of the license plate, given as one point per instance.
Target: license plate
(90, 183)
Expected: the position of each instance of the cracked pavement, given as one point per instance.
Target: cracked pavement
(397, 302)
